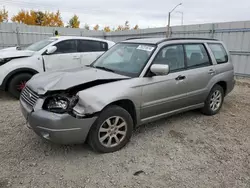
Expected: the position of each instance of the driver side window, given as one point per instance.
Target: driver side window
(173, 56)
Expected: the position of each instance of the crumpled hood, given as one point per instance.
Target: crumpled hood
(15, 53)
(66, 79)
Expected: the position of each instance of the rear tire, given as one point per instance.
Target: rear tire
(214, 101)
(111, 131)
(17, 83)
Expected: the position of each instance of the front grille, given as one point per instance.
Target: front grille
(29, 96)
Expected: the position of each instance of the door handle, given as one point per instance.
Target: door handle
(211, 71)
(180, 77)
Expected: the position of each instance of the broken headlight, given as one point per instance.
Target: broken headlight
(60, 104)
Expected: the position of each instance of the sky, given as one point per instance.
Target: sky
(145, 13)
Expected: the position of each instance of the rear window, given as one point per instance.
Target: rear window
(219, 52)
(91, 46)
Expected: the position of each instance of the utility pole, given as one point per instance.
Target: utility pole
(169, 19)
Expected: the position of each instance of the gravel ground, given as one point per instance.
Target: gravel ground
(187, 150)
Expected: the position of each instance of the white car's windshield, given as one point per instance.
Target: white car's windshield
(125, 58)
(40, 45)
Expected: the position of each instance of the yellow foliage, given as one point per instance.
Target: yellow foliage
(107, 29)
(96, 27)
(39, 18)
(120, 28)
(136, 27)
(4, 15)
(74, 22)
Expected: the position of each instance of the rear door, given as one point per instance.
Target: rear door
(66, 56)
(90, 50)
(200, 70)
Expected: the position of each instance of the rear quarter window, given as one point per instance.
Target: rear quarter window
(219, 52)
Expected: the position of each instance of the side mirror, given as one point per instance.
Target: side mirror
(51, 50)
(159, 69)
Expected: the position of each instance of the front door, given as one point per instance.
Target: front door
(66, 56)
(163, 94)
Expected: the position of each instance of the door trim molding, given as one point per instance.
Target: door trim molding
(166, 114)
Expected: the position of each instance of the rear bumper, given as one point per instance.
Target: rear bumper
(57, 128)
(230, 86)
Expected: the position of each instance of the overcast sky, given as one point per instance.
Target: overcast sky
(145, 13)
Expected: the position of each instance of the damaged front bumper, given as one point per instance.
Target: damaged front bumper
(57, 128)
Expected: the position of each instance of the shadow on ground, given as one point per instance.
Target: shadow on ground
(4, 96)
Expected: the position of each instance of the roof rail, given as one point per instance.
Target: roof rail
(137, 38)
(170, 39)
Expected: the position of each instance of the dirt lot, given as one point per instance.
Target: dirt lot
(187, 150)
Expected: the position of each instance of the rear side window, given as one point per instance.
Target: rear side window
(91, 46)
(219, 52)
(196, 55)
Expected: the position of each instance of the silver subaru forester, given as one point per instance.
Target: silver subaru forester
(135, 82)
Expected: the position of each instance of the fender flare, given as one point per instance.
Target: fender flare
(15, 72)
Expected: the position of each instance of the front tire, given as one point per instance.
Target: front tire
(111, 131)
(214, 101)
(17, 83)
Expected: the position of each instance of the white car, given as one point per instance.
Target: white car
(55, 53)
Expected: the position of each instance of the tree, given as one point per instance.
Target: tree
(136, 27)
(96, 27)
(86, 26)
(119, 28)
(25, 17)
(74, 22)
(53, 19)
(107, 29)
(126, 26)
(4, 15)
(38, 18)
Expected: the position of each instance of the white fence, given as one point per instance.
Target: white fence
(236, 35)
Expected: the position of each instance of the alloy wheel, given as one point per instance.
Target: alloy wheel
(113, 131)
(215, 100)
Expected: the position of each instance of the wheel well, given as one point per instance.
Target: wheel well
(223, 85)
(13, 74)
(129, 106)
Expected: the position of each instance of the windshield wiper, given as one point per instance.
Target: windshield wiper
(104, 68)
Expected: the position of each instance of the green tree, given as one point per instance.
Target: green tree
(74, 22)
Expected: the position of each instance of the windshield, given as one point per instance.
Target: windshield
(125, 58)
(40, 45)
